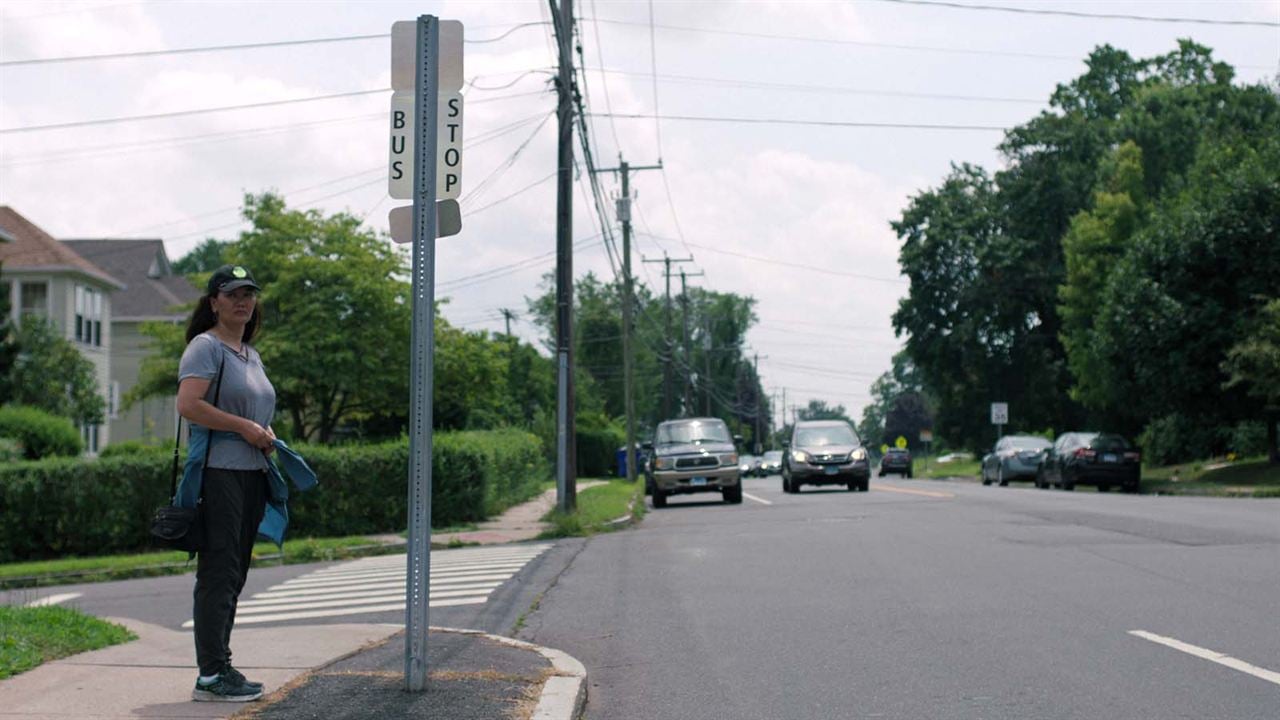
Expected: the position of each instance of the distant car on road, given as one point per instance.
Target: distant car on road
(748, 465)
(770, 463)
(825, 452)
(1091, 458)
(1015, 457)
(693, 455)
(896, 461)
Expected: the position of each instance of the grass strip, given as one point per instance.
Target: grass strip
(597, 506)
(1250, 478)
(955, 468)
(66, 571)
(30, 636)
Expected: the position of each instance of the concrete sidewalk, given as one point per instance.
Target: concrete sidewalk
(329, 671)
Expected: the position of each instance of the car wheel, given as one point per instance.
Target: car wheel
(1000, 477)
(853, 487)
(1068, 482)
(910, 474)
(1040, 483)
(659, 498)
(865, 485)
(881, 473)
(733, 495)
(1131, 488)
(985, 480)
(1103, 487)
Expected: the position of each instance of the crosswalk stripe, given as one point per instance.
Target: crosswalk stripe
(377, 584)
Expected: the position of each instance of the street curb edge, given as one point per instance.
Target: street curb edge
(563, 694)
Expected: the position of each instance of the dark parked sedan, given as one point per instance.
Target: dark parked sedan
(1015, 457)
(1090, 458)
(824, 452)
(896, 461)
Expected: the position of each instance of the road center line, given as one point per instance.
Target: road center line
(925, 493)
(762, 501)
(1210, 655)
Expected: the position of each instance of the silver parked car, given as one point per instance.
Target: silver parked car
(1015, 457)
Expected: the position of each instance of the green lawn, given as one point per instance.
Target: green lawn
(115, 567)
(596, 507)
(30, 636)
(955, 468)
(1252, 477)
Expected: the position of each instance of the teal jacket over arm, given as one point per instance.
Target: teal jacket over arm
(276, 517)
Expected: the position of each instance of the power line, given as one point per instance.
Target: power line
(1078, 14)
(202, 111)
(237, 46)
(836, 89)
(799, 266)
(861, 43)
(522, 190)
(818, 123)
(657, 123)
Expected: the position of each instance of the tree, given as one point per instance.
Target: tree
(50, 374)
(8, 348)
(820, 410)
(203, 258)
(899, 393)
(1254, 363)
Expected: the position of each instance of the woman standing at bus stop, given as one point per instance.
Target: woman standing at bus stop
(224, 392)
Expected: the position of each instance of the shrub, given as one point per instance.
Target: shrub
(1247, 439)
(597, 450)
(132, 447)
(10, 450)
(40, 433)
(73, 506)
(1174, 439)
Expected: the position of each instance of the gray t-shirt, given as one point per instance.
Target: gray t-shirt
(246, 392)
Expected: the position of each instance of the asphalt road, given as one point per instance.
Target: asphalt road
(927, 599)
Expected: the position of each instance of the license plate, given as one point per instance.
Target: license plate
(1109, 457)
(698, 481)
(832, 470)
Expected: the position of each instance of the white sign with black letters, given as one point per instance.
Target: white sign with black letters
(448, 146)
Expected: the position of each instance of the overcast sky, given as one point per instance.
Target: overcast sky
(760, 207)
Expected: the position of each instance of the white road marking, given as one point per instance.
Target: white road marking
(1212, 656)
(53, 599)
(373, 585)
(762, 501)
(924, 493)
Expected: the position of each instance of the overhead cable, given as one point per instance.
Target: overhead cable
(820, 123)
(1080, 14)
(237, 46)
(800, 266)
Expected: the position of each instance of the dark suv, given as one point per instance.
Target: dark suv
(896, 461)
(825, 452)
(693, 455)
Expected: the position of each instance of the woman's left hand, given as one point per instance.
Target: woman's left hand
(270, 448)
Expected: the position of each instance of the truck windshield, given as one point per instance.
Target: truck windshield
(693, 431)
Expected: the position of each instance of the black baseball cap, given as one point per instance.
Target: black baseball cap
(230, 277)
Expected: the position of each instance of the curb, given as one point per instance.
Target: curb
(563, 694)
(624, 521)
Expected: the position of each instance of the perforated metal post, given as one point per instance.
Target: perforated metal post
(417, 580)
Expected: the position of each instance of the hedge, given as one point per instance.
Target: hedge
(59, 507)
(598, 450)
(40, 433)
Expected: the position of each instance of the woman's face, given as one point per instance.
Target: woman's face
(235, 307)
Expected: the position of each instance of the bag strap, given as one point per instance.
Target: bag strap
(177, 437)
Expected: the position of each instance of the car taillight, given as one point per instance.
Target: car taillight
(1134, 456)
(1086, 453)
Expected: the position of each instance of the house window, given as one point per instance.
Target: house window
(113, 400)
(89, 433)
(88, 315)
(34, 299)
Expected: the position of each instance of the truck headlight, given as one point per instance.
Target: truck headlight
(859, 454)
(800, 456)
(730, 459)
(664, 463)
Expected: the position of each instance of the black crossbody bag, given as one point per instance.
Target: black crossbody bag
(181, 528)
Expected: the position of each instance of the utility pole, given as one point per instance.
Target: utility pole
(706, 356)
(784, 409)
(688, 346)
(670, 351)
(508, 315)
(628, 297)
(566, 450)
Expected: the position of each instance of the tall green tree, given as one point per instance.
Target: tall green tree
(203, 258)
(1254, 363)
(50, 374)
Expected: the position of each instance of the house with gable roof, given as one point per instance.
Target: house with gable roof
(152, 292)
(45, 278)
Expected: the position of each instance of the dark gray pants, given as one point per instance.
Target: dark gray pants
(233, 504)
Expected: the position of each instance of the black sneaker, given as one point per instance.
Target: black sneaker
(235, 675)
(225, 689)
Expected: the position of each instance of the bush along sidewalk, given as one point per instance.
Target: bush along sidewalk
(602, 508)
(59, 507)
(35, 635)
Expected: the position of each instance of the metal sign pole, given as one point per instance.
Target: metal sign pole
(417, 582)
